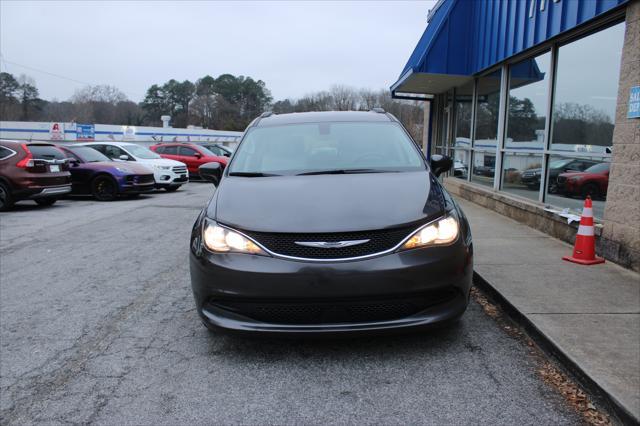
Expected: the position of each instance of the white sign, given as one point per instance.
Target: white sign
(56, 132)
(128, 133)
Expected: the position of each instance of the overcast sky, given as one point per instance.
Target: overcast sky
(294, 47)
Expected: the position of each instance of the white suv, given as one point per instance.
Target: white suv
(169, 174)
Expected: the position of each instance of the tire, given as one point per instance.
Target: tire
(172, 188)
(104, 188)
(6, 200)
(45, 201)
(590, 189)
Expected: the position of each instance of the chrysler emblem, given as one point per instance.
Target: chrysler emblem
(331, 244)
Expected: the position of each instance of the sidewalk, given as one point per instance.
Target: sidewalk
(592, 313)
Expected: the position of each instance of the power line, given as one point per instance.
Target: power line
(56, 75)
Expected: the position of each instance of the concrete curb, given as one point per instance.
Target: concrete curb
(604, 398)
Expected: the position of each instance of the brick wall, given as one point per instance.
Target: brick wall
(622, 210)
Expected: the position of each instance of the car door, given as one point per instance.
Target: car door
(168, 151)
(191, 158)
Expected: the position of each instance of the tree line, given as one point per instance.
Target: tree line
(227, 102)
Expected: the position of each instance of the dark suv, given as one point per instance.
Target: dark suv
(32, 171)
(330, 222)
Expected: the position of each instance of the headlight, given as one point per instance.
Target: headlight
(122, 169)
(222, 240)
(157, 167)
(444, 231)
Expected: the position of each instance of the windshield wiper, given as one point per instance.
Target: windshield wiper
(252, 174)
(341, 172)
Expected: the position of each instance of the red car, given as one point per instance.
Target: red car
(190, 154)
(593, 181)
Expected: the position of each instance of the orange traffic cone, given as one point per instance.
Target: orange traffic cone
(584, 250)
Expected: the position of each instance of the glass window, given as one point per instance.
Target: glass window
(461, 161)
(521, 174)
(170, 150)
(464, 97)
(113, 152)
(484, 167)
(487, 109)
(190, 152)
(46, 152)
(311, 147)
(87, 154)
(571, 179)
(5, 152)
(528, 87)
(586, 91)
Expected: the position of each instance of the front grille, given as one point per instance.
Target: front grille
(179, 169)
(143, 179)
(285, 243)
(328, 312)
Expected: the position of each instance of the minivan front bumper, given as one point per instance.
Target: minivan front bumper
(259, 294)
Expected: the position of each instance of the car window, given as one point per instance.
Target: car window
(5, 152)
(100, 148)
(170, 150)
(159, 149)
(215, 150)
(188, 151)
(87, 154)
(113, 152)
(46, 152)
(310, 147)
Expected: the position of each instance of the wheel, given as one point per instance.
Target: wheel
(104, 188)
(6, 200)
(590, 189)
(172, 188)
(45, 201)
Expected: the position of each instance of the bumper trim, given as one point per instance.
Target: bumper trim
(52, 191)
(447, 311)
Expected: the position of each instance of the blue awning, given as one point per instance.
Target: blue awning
(465, 37)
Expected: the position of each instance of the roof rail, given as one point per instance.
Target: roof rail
(378, 110)
(266, 114)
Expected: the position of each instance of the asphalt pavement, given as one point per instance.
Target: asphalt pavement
(97, 325)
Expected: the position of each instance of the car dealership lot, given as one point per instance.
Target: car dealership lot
(98, 324)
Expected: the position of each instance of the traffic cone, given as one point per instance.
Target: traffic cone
(584, 250)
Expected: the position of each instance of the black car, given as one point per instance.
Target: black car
(329, 222)
(531, 177)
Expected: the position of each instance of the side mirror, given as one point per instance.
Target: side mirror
(124, 157)
(211, 172)
(73, 162)
(440, 164)
(198, 155)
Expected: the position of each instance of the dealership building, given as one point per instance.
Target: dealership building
(538, 103)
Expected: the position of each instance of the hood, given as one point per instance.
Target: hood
(159, 162)
(131, 167)
(326, 203)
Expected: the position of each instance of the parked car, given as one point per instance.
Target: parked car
(32, 171)
(218, 149)
(531, 177)
(190, 154)
(329, 222)
(95, 174)
(593, 182)
(459, 169)
(168, 174)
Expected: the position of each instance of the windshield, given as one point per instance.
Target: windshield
(598, 168)
(141, 152)
(207, 152)
(317, 147)
(87, 154)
